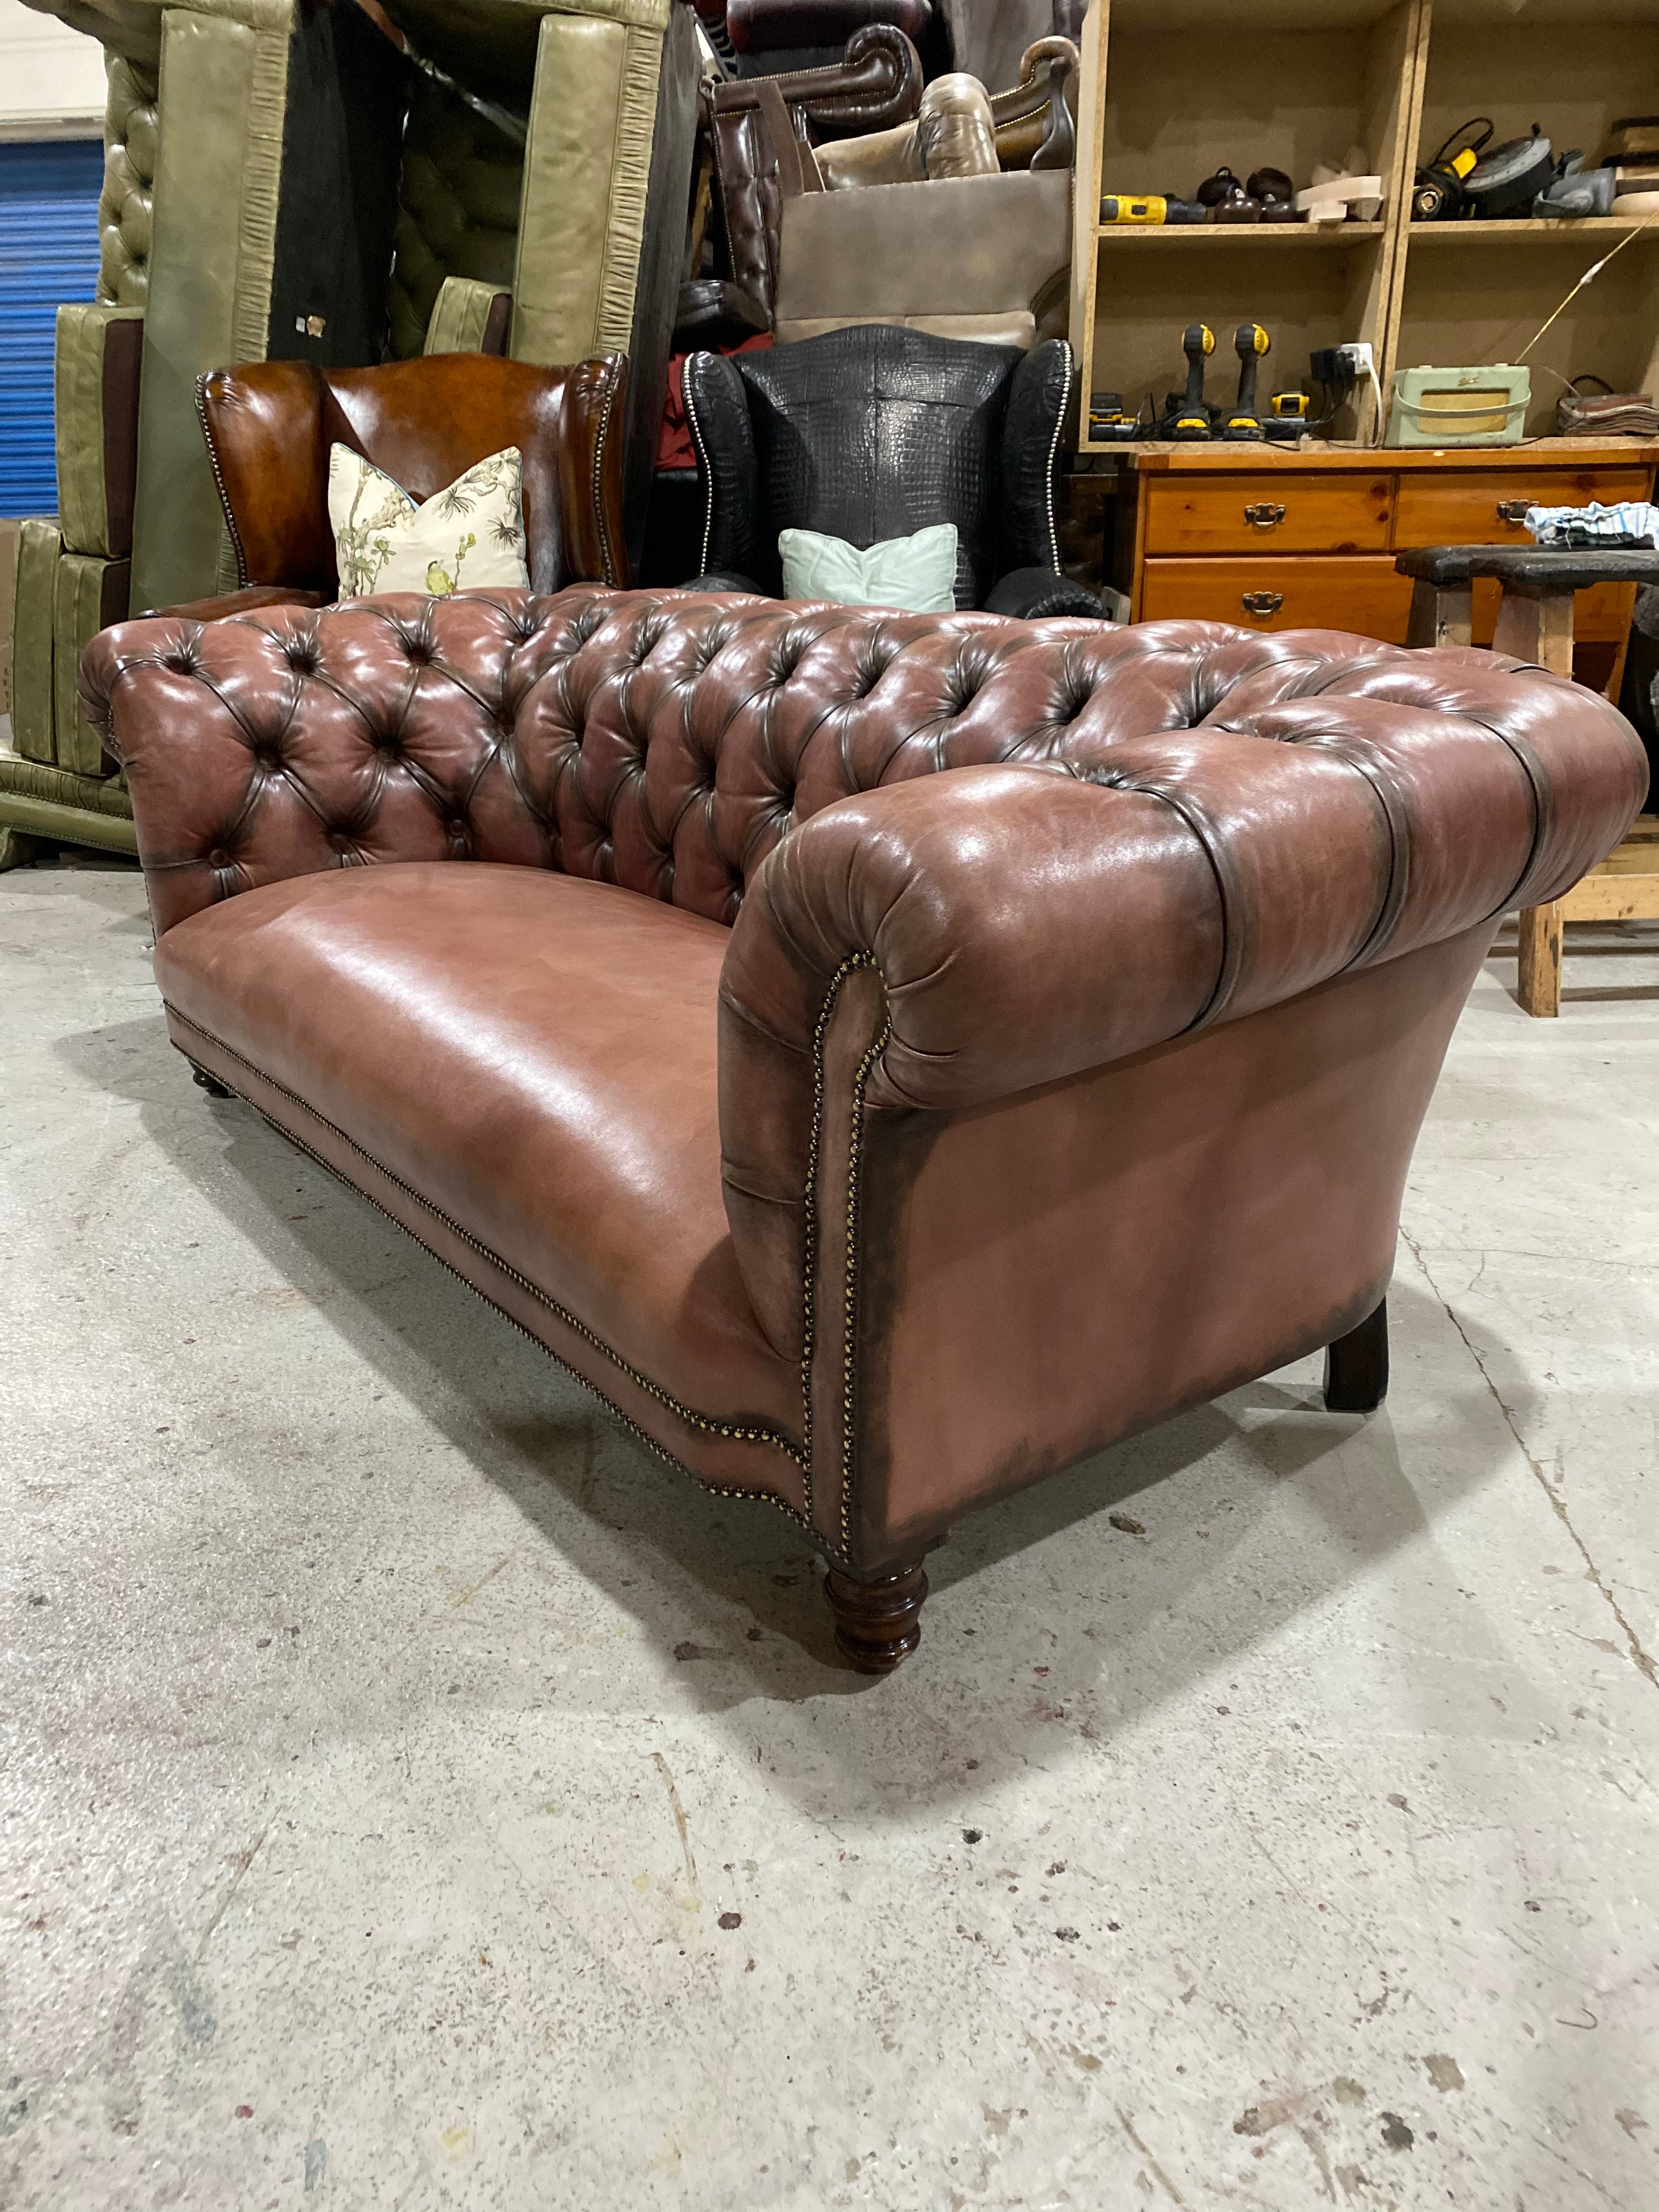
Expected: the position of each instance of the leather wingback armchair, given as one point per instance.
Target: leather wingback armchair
(886, 1058)
(875, 432)
(269, 427)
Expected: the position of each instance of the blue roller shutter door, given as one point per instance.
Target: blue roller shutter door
(48, 253)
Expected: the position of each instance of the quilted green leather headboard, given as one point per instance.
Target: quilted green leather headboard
(126, 204)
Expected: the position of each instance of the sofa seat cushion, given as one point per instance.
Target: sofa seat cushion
(535, 1055)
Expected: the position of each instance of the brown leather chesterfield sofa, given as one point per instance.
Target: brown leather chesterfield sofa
(886, 1057)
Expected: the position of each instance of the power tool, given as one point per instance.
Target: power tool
(1286, 417)
(1108, 424)
(1250, 343)
(1188, 418)
(1134, 206)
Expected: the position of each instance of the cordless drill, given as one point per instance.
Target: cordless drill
(1189, 418)
(1250, 343)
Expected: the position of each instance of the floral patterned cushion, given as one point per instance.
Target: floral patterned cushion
(470, 534)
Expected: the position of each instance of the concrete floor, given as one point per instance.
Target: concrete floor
(414, 1795)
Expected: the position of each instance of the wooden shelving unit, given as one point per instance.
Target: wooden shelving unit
(1171, 89)
(1571, 66)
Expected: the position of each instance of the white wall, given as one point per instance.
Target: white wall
(51, 78)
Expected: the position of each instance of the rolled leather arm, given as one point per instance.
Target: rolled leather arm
(988, 930)
(1038, 593)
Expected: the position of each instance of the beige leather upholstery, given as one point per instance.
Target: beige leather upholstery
(40, 548)
(469, 317)
(97, 359)
(952, 136)
(968, 247)
(224, 64)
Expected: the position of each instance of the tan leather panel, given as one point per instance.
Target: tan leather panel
(1215, 1208)
(554, 1044)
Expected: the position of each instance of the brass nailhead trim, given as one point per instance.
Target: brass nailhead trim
(809, 1242)
(598, 497)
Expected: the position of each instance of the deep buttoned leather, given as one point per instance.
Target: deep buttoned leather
(1085, 991)
(270, 424)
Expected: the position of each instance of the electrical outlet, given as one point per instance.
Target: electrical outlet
(1359, 357)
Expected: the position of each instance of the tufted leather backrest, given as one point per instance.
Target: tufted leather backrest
(270, 426)
(459, 191)
(668, 741)
(126, 203)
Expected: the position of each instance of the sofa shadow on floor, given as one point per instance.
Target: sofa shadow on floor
(700, 1574)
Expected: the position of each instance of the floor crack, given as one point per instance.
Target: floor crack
(1640, 1658)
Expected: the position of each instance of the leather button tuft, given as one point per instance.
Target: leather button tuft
(218, 858)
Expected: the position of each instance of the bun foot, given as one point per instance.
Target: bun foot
(210, 1084)
(878, 1623)
(1357, 1365)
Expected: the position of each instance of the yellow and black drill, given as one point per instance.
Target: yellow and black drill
(1188, 417)
(1251, 343)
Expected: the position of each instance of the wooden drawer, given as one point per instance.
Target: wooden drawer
(1347, 511)
(1361, 593)
(1460, 507)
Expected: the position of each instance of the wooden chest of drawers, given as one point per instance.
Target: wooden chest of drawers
(1279, 540)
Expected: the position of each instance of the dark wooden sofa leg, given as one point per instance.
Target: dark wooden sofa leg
(1357, 1365)
(878, 1623)
(210, 1084)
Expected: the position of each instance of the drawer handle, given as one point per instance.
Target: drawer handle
(1263, 603)
(1266, 515)
(1513, 510)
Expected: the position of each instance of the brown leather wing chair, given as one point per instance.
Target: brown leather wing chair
(269, 426)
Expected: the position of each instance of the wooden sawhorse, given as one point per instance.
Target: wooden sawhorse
(1534, 624)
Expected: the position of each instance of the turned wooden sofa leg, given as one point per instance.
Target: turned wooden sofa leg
(878, 1623)
(210, 1084)
(1357, 1365)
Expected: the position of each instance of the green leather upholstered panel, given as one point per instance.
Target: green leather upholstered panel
(97, 403)
(39, 546)
(224, 76)
(91, 595)
(457, 210)
(105, 795)
(126, 204)
(461, 316)
(586, 169)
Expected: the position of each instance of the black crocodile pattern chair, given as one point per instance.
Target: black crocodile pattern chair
(877, 431)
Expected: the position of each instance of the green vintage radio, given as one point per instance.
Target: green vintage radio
(1459, 406)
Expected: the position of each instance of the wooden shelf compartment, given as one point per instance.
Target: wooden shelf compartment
(1572, 67)
(1158, 112)
(1464, 309)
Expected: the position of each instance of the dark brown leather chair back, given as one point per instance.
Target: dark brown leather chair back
(270, 425)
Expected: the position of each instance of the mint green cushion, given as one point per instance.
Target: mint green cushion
(918, 573)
